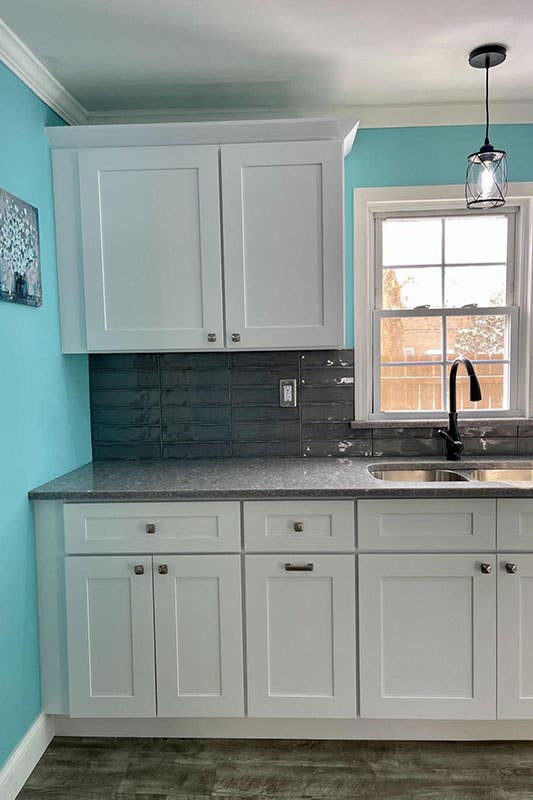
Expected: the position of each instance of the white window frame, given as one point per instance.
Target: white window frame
(409, 200)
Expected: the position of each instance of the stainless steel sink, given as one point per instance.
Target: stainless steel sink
(507, 475)
(418, 475)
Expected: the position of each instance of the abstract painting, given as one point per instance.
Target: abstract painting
(20, 261)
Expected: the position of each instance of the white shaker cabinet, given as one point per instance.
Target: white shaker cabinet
(300, 632)
(151, 248)
(110, 636)
(198, 636)
(515, 634)
(427, 636)
(283, 247)
(194, 236)
(119, 662)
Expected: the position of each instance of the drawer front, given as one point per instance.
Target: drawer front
(152, 527)
(515, 524)
(436, 524)
(299, 525)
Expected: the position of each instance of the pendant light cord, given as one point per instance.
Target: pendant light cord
(487, 100)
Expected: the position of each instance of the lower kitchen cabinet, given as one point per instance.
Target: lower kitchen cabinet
(110, 636)
(428, 636)
(198, 636)
(119, 662)
(515, 636)
(300, 633)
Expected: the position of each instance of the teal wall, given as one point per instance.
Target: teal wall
(44, 410)
(418, 157)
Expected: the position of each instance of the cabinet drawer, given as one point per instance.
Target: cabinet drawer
(426, 524)
(298, 526)
(515, 524)
(152, 527)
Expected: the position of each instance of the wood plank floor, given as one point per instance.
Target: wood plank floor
(230, 769)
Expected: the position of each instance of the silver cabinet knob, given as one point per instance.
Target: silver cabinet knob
(163, 569)
(138, 569)
(150, 528)
(211, 337)
(298, 527)
(511, 568)
(235, 337)
(486, 569)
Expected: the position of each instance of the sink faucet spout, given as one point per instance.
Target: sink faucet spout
(451, 435)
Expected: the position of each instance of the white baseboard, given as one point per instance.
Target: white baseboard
(24, 758)
(438, 730)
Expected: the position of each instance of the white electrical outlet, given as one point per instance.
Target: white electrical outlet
(287, 393)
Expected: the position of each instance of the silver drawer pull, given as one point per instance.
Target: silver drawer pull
(299, 567)
(138, 569)
(298, 527)
(150, 528)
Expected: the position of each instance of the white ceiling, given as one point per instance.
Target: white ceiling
(274, 54)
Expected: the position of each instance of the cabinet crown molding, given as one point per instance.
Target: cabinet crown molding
(219, 132)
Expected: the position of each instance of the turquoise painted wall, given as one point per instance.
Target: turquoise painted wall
(44, 410)
(418, 157)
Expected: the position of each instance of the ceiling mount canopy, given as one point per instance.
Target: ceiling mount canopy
(486, 172)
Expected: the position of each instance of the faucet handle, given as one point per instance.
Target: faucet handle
(455, 442)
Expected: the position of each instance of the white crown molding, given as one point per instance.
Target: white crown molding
(391, 116)
(26, 66)
(295, 129)
(25, 757)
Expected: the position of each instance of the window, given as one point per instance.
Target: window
(444, 286)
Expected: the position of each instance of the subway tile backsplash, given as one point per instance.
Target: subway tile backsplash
(216, 405)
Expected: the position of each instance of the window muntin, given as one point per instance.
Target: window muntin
(444, 287)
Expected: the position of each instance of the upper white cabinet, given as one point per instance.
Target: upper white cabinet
(151, 247)
(165, 231)
(282, 221)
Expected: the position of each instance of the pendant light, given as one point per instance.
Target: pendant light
(486, 171)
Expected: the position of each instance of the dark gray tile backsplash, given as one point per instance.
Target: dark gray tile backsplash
(216, 405)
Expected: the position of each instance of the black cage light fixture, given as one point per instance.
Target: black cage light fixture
(486, 171)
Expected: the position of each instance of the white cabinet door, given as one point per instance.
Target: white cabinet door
(300, 633)
(427, 636)
(283, 244)
(198, 623)
(515, 636)
(150, 219)
(110, 636)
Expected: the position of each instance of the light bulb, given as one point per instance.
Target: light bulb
(486, 180)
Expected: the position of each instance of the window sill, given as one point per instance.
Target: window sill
(424, 422)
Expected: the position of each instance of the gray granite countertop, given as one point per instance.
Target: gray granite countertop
(266, 477)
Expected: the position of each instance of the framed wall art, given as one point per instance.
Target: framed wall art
(20, 260)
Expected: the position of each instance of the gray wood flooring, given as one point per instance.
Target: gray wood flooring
(229, 769)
